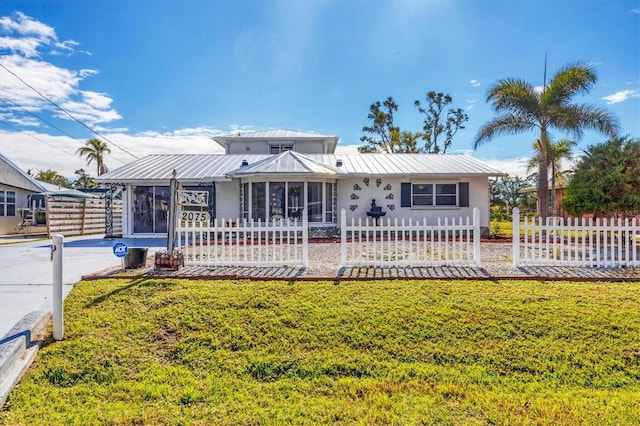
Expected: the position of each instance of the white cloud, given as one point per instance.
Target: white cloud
(621, 96)
(471, 103)
(474, 83)
(22, 24)
(22, 41)
(58, 152)
(96, 100)
(636, 10)
(24, 35)
(513, 166)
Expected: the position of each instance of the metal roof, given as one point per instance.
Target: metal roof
(288, 162)
(218, 167)
(274, 134)
(410, 164)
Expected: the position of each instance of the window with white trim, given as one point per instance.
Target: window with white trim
(7, 203)
(434, 194)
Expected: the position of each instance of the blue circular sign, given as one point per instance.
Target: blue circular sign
(120, 249)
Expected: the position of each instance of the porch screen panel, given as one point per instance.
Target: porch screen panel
(161, 208)
(295, 200)
(245, 200)
(150, 209)
(330, 202)
(276, 200)
(314, 201)
(258, 201)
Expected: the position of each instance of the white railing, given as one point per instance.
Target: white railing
(575, 242)
(404, 243)
(241, 243)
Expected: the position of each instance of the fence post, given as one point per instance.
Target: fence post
(515, 220)
(305, 240)
(476, 236)
(56, 309)
(343, 238)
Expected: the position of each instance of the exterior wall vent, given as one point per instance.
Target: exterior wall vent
(339, 162)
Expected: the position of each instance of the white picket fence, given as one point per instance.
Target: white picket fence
(241, 243)
(405, 243)
(575, 242)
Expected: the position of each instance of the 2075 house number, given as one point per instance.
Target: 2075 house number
(195, 216)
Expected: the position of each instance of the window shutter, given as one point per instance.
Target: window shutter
(405, 194)
(463, 194)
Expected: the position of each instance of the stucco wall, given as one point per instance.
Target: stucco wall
(387, 195)
(263, 147)
(228, 200)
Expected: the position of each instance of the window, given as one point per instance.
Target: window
(278, 148)
(435, 194)
(7, 203)
(422, 195)
(446, 194)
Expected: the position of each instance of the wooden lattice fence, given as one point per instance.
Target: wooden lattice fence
(80, 216)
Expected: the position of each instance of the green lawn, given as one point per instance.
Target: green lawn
(180, 352)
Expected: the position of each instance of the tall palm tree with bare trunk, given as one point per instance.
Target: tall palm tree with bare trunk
(521, 108)
(557, 152)
(95, 150)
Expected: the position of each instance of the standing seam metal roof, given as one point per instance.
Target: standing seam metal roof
(199, 167)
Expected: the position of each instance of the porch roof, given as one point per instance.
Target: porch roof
(288, 163)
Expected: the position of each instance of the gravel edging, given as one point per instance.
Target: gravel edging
(324, 264)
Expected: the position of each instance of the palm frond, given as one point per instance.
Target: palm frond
(508, 124)
(572, 79)
(577, 118)
(513, 95)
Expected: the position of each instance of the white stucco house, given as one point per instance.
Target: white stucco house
(284, 174)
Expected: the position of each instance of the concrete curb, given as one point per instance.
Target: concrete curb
(18, 349)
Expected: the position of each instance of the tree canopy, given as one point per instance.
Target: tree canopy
(520, 107)
(439, 128)
(52, 177)
(84, 180)
(606, 180)
(437, 123)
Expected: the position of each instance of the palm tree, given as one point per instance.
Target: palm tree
(84, 180)
(557, 151)
(95, 150)
(521, 108)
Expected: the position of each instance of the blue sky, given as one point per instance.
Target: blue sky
(164, 76)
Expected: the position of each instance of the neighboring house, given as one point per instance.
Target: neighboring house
(15, 188)
(277, 174)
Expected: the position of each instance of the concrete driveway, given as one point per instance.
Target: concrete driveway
(26, 271)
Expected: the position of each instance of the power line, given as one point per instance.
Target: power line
(33, 137)
(47, 143)
(39, 118)
(48, 124)
(66, 112)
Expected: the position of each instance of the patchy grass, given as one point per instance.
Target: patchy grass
(501, 228)
(164, 351)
